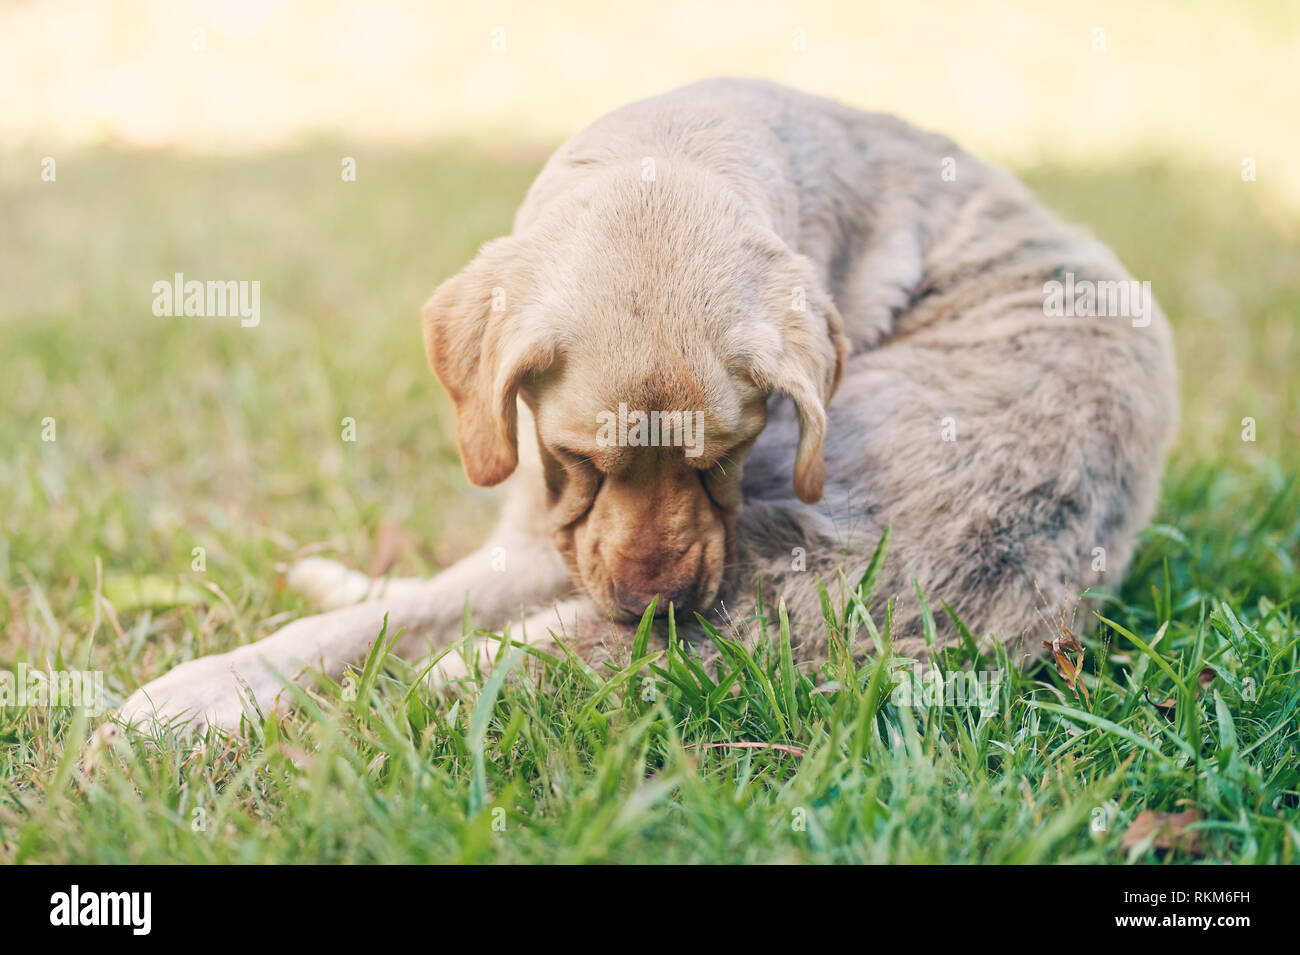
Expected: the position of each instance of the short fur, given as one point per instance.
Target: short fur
(800, 275)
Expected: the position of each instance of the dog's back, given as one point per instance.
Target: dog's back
(1010, 389)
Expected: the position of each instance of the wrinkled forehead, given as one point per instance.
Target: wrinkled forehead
(645, 395)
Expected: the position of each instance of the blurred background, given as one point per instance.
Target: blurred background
(1108, 81)
(141, 139)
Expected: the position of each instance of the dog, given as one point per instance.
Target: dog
(864, 328)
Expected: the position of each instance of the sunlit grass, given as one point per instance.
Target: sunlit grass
(176, 434)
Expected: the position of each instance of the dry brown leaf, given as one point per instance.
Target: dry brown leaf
(1070, 670)
(1168, 704)
(1204, 679)
(1067, 641)
(1170, 830)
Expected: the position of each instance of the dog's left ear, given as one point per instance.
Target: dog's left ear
(808, 361)
(478, 346)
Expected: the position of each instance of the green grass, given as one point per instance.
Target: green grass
(174, 434)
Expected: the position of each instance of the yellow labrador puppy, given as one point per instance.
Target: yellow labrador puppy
(737, 331)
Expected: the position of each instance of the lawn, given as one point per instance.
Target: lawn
(193, 458)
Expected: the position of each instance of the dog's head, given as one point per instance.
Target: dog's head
(645, 324)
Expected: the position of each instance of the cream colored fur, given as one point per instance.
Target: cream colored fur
(866, 343)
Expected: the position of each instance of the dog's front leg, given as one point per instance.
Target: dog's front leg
(585, 631)
(211, 691)
(215, 690)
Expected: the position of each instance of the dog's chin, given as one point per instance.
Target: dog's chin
(620, 614)
(613, 610)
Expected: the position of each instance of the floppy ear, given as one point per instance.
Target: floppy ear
(808, 363)
(476, 346)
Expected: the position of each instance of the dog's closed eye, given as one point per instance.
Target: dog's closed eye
(603, 461)
(571, 458)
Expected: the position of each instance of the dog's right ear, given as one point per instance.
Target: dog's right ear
(805, 353)
(476, 346)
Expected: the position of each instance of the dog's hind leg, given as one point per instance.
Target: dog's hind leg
(328, 584)
(576, 622)
(512, 567)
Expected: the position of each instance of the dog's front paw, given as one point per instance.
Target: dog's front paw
(327, 583)
(207, 692)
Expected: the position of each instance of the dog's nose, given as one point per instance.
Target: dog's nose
(636, 599)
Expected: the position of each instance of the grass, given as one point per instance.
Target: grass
(177, 434)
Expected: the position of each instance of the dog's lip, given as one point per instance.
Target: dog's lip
(706, 584)
(622, 613)
(626, 615)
